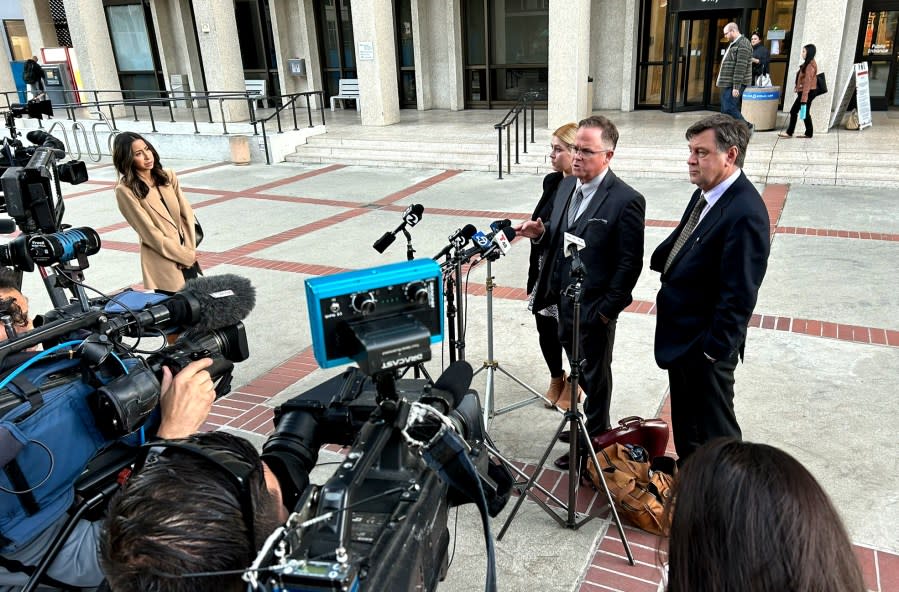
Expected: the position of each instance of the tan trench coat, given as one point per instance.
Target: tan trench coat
(166, 232)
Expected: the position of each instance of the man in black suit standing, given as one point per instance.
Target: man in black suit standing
(712, 266)
(608, 215)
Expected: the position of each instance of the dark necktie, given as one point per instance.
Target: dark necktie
(574, 206)
(692, 221)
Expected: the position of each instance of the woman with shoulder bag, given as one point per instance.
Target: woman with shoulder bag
(806, 84)
(151, 200)
(761, 58)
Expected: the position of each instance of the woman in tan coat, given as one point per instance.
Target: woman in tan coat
(806, 91)
(151, 200)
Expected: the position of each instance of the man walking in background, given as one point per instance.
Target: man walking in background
(735, 73)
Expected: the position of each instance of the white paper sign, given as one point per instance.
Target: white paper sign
(863, 95)
(366, 51)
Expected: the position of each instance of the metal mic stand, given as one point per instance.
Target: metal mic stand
(491, 365)
(455, 315)
(575, 420)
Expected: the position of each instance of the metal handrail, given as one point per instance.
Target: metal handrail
(191, 98)
(291, 102)
(521, 106)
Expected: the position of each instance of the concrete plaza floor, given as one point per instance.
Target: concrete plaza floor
(822, 356)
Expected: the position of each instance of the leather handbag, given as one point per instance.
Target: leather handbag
(639, 489)
(651, 434)
(821, 85)
(198, 232)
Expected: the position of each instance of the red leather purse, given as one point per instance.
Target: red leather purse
(651, 434)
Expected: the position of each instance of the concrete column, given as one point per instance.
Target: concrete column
(819, 22)
(379, 91)
(422, 44)
(293, 29)
(7, 84)
(221, 55)
(39, 24)
(569, 61)
(455, 69)
(93, 47)
(178, 51)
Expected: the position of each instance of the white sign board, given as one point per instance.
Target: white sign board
(863, 95)
(366, 51)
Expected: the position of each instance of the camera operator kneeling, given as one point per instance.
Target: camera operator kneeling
(185, 403)
(205, 503)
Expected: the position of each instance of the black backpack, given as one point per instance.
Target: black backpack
(30, 75)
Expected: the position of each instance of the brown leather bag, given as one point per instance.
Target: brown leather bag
(651, 434)
(639, 490)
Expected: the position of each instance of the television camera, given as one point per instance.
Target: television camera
(72, 415)
(380, 523)
(32, 197)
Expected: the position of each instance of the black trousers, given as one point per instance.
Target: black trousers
(548, 331)
(794, 115)
(597, 340)
(702, 402)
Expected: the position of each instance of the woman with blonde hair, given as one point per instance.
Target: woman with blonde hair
(548, 319)
(151, 200)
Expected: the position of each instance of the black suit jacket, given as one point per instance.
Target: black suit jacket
(709, 292)
(543, 210)
(612, 226)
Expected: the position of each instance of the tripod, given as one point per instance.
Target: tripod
(575, 420)
(492, 366)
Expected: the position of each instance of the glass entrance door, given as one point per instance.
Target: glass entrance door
(699, 49)
(134, 48)
(334, 25)
(878, 47)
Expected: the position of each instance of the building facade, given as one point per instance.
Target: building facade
(580, 55)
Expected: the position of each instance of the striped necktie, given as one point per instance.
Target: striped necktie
(574, 206)
(692, 221)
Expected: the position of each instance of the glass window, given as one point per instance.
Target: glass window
(880, 33)
(130, 40)
(522, 32)
(776, 31)
(474, 32)
(19, 47)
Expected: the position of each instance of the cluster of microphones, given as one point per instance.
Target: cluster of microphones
(488, 245)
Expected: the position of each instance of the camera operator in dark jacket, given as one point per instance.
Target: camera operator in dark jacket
(205, 503)
(185, 403)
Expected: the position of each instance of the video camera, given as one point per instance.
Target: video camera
(88, 389)
(380, 523)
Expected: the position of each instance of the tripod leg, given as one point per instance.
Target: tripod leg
(530, 484)
(622, 536)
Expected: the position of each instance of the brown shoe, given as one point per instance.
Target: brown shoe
(565, 399)
(555, 390)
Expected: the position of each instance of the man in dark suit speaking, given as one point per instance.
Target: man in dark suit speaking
(608, 215)
(712, 266)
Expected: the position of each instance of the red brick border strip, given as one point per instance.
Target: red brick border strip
(854, 234)
(412, 189)
(294, 178)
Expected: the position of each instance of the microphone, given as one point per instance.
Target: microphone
(411, 216)
(498, 225)
(7, 226)
(577, 266)
(457, 239)
(489, 244)
(206, 303)
(450, 388)
(45, 140)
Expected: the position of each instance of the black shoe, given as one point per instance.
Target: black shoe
(563, 462)
(565, 436)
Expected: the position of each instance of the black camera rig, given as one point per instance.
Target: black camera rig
(416, 449)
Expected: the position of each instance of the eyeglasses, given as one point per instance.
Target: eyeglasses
(586, 152)
(237, 469)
